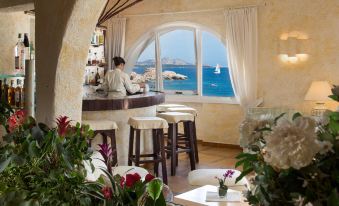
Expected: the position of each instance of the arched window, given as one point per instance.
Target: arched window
(183, 60)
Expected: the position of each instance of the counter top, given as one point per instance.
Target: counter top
(112, 101)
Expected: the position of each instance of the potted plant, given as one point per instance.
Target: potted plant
(222, 189)
(129, 189)
(40, 165)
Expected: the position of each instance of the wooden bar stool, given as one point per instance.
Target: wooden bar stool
(173, 118)
(195, 113)
(157, 125)
(107, 129)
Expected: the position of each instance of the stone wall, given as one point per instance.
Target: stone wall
(280, 84)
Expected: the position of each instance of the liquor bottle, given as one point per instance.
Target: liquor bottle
(94, 60)
(11, 94)
(97, 78)
(22, 98)
(27, 49)
(92, 79)
(17, 94)
(5, 91)
(32, 51)
(89, 61)
(19, 55)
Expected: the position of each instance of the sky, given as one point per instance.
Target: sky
(180, 44)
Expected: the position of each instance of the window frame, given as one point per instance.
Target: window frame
(155, 34)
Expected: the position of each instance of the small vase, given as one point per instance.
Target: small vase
(222, 191)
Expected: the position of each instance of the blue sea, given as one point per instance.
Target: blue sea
(218, 85)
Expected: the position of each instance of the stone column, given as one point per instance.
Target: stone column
(63, 32)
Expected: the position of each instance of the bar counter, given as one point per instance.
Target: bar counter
(95, 102)
(119, 109)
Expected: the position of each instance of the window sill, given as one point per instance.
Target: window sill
(201, 99)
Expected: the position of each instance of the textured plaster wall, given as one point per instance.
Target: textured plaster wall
(11, 23)
(63, 31)
(280, 84)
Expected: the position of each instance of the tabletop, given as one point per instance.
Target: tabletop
(197, 197)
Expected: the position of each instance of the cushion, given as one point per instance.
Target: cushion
(147, 123)
(183, 109)
(100, 124)
(202, 177)
(121, 170)
(164, 107)
(175, 117)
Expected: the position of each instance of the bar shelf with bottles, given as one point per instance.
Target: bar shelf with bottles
(95, 67)
(17, 87)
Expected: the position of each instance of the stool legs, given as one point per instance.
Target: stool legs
(155, 151)
(195, 142)
(174, 148)
(158, 155)
(173, 136)
(130, 146)
(191, 140)
(162, 154)
(137, 149)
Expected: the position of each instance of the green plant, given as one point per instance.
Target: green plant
(130, 190)
(294, 163)
(44, 166)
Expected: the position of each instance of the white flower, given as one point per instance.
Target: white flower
(299, 201)
(292, 144)
(249, 129)
(326, 147)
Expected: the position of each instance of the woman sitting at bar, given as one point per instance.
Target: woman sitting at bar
(118, 81)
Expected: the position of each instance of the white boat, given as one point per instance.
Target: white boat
(217, 69)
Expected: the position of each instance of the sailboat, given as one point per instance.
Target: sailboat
(217, 69)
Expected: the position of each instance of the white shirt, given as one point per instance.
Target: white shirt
(118, 81)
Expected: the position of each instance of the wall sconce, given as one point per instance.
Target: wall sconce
(293, 48)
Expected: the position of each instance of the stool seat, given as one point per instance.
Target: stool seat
(183, 109)
(175, 117)
(147, 123)
(164, 107)
(101, 124)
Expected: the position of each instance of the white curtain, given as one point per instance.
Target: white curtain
(242, 45)
(115, 40)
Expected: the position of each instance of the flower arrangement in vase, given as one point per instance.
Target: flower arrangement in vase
(222, 189)
(294, 162)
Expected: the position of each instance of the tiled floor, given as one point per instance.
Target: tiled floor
(210, 157)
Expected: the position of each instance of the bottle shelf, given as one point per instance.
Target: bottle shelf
(11, 75)
(97, 45)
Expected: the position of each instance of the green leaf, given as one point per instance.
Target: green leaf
(334, 97)
(243, 174)
(154, 188)
(5, 163)
(263, 191)
(333, 199)
(296, 115)
(278, 117)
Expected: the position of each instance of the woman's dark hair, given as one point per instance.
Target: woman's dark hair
(118, 61)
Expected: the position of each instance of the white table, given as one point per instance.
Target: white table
(197, 197)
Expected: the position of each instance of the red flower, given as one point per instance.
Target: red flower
(63, 125)
(122, 182)
(131, 179)
(20, 114)
(17, 119)
(12, 123)
(107, 192)
(149, 178)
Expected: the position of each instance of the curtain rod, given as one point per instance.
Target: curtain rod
(187, 12)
